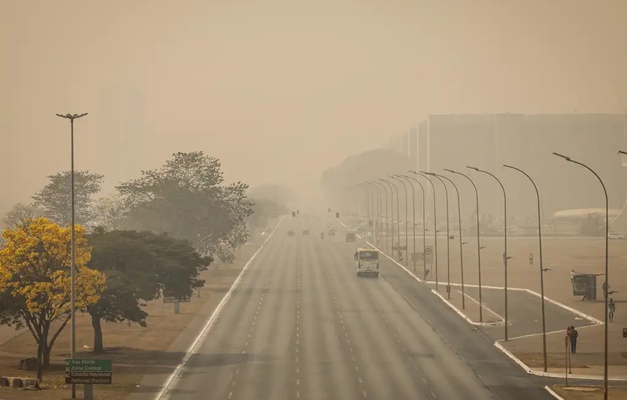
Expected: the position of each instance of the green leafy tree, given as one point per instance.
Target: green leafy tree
(186, 198)
(138, 266)
(55, 198)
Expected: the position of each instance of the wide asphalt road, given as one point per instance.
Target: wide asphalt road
(302, 325)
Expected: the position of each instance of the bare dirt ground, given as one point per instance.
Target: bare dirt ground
(589, 392)
(134, 351)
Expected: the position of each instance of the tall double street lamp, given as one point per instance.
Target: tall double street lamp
(424, 227)
(379, 217)
(387, 216)
(607, 279)
(367, 193)
(448, 236)
(542, 270)
(505, 255)
(461, 243)
(398, 220)
(478, 239)
(406, 219)
(72, 117)
(435, 229)
(392, 190)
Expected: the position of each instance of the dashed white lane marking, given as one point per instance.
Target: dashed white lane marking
(348, 342)
(250, 332)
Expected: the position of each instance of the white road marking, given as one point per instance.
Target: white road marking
(198, 341)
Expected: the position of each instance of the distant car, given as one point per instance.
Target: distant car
(290, 233)
(332, 232)
(306, 232)
(351, 237)
(616, 236)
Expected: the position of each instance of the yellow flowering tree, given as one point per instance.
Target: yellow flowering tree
(35, 280)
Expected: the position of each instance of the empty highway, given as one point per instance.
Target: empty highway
(302, 325)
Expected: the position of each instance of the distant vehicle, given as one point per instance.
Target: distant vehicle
(351, 237)
(367, 262)
(331, 232)
(290, 233)
(616, 236)
(306, 232)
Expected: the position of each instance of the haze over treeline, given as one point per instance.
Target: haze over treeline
(281, 90)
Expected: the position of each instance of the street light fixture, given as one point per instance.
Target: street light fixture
(541, 266)
(478, 240)
(505, 255)
(387, 215)
(424, 228)
(461, 243)
(607, 279)
(448, 236)
(435, 228)
(398, 221)
(406, 220)
(392, 190)
(72, 117)
(379, 219)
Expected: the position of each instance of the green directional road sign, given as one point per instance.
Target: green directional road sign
(88, 372)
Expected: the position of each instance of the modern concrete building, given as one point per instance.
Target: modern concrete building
(527, 141)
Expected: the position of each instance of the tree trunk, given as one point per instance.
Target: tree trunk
(45, 351)
(95, 323)
(40, 367)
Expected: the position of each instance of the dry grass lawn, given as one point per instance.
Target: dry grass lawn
(135, 351)
(589, 392)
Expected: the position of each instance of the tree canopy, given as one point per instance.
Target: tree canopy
(35, 271)
(138, 266)
(186, 198)
(56, 197)
(20, 213)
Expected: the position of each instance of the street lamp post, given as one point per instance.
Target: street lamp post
(369, 204)
(505, 255)
(541, 265)
(461, 243)
(392, 187)
(398, 221)
(378, 218)
(448, 236)
(406, 219)
(478, 240)
(607, 279)
(387, 217)
(424, 228)
(435, 229)
(72, 117)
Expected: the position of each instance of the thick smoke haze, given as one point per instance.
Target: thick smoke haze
(280, 90)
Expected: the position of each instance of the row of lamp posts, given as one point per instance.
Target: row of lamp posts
(381, 185)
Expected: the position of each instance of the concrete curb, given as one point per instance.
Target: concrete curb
(497, 344)
(552, 393)
(205, 330)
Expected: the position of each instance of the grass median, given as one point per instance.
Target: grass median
(135, 351)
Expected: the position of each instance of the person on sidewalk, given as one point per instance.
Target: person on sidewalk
(574, 334)
(611, 308)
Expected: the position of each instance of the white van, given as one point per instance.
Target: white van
(367, 262)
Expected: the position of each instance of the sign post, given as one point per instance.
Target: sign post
(88, 373)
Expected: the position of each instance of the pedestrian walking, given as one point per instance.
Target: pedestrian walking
(574, 335)
(611, 308)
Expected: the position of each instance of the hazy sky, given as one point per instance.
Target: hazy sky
(281, 89)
